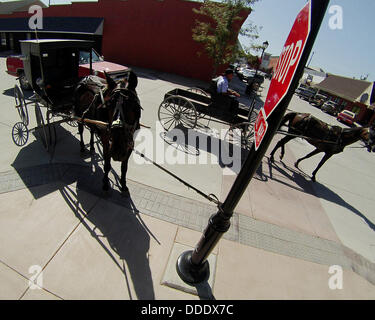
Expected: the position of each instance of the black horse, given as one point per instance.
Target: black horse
(116, 111)
(325, 138)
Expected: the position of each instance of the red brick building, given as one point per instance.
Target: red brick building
(155, 34)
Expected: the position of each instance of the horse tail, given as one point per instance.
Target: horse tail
(288, 117)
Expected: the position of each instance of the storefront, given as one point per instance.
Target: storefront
(152, 34)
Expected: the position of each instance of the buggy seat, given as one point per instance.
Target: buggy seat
(218, 100)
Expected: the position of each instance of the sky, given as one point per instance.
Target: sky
(348, 51)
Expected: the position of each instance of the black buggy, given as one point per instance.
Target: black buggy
(53, 71)
(197, 107)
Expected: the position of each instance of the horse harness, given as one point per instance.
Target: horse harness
(333, 134)
(118, 126)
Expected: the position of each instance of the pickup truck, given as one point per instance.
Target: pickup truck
(15, 67)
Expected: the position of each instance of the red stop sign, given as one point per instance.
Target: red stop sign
(286, 67)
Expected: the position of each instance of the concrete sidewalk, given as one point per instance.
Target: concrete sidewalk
(58, 229)
(55, 222)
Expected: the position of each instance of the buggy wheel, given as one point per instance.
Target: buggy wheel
(20, 134)
(21, 105)
(72, 123)
(241, 135)
(51, 131)
(41, 128)
(176, 110)
(253, 116)
(199, 91)
(203, 121)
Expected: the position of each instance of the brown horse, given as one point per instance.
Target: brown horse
(325, 138)
(114, 103)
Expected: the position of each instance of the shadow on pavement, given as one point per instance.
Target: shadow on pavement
(126, 233)
(10, 92)
(314, 188)
(192, 142)
(33, 158)
(123, 229)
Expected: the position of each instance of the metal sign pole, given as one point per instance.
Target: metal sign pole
(192, 266)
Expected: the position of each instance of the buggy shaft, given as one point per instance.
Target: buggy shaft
(99, 123)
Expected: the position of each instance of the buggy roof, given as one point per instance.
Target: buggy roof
(37, 46)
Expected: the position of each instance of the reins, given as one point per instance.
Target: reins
(317, 140)
(304, 137)
(210, 197)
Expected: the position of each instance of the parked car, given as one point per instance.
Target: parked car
(331, 108)
(234, 66)
(347, 117)
(306, 94)
(116, 71)
(239, 71)
(256, 78)
(318, 100)
(244, 74)
(300, 88)
(15, 68)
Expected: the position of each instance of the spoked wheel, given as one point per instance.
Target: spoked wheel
(203, 121)
(20, 134)
(41, 127)
(241, 135)
(46, 133)
(253, 116)
(72, 123)
(199, 91)
(21, 105)
(51, 131)
(176, 110)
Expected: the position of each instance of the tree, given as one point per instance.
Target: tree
(217, 30)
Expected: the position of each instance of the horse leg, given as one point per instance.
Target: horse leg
(92, 148)
(80, 130)
(325, 158)
(316, 151)
(280, 144)
(107, 162)
(124, 169)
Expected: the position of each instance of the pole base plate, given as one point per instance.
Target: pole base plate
(189, 272)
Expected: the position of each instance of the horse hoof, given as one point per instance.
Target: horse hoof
(296, 164)
(313, 179)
